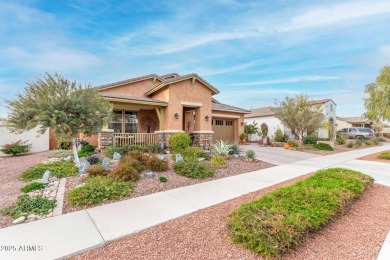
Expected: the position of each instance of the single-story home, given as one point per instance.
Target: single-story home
(356, 121)
(151, 108)
(266, 115)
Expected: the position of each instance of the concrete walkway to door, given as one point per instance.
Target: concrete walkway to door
(277, 155)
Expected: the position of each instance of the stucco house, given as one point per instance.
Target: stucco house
(151, 108)
(356, 121)
(267, 115)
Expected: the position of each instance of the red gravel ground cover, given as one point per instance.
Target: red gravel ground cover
(11, 168)
(358, 234)
(374, 157)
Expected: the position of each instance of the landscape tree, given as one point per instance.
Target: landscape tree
(66, 107)
(378, 102)
(251, 129)
(299, 114)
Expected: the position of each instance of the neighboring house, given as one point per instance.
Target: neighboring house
(267, 115)
(356, 121)
(39, 143)
(149, 109)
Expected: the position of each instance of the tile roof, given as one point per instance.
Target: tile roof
(354, 119)
(174, 74)
(125, 97)
(123, 82)
(261, 112)
(180, 78)
(321, 101)
(224, 107)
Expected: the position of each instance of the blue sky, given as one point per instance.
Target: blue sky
(253, 51)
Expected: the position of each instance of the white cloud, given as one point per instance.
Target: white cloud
(287, 80)
(336, 13)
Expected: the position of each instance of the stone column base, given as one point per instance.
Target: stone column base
(106, 138)
(203, 140)
(164, 136)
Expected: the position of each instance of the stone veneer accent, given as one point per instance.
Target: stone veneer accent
(106, 138)
(202, 139)
(164, 136)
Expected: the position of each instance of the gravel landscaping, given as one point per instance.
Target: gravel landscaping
(358, 234)
(374, 157)
(337, 149)
(10, 169)
(147, 186)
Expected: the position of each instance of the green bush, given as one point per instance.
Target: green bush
(99, 189)
(25, 205)
(193, 169)
(385, 155)
(375, 141)
(60, 153)
(250, 155)
(218, 161)
(341, 140)
(110, 150)
(33, 186)
(97, 170)
(280, 136)
(193, 153)
(158, 165)
(86, 150)
(350, 144)
(58, 169)
(154, 148)
(64, 144)
(163, 179)
(125, 172)
(179, 142)
(128, 160)
(292, 143)
(284, 218)
(323, 146)
(310, 139)
(235, 149)
(16, 147)
(358, 143)
(367, 142)
(309, 148)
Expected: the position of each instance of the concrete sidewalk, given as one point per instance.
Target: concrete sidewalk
(73, 233)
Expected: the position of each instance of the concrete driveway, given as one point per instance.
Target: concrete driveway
(277, 155)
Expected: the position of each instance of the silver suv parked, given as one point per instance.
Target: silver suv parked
(359, 133)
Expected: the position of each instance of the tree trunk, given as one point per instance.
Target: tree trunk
(76, 156)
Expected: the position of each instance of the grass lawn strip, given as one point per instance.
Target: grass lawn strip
(281, 220)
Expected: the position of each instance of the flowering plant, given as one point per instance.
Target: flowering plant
(16, 147)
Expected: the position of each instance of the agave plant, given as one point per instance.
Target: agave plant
(221, 148)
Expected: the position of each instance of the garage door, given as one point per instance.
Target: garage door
(223, 130)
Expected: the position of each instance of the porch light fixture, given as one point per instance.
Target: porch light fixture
(176, 115)
(206, 117)
(242, 123)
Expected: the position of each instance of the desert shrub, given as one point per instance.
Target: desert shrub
(221, 148)
(128, 160)
(281, 220)
(193, 169)
(97, 170)
(381, 139)
(235, 149)
(86, 150)
(310, 139)
(125, 172)
(341, 140)
(292, 143)
(25, 205)
(324, 139)
(154, 148)
(99, 189)
(158, 165)
(60, 153)
(323, 146)
(385, 155)
(93, 159)
(375, 141)
(33, 186)
(218, 161)
(250, 155)
(280, 136)
(193, 153)
(135, 154)
(309, 148)
(144, 159)
(163, 179)
(110, 150)
(358, 143)
(367, 142)
(179, 142)
(64, 143)
(58, 169)
(16, 147)
(350, 144)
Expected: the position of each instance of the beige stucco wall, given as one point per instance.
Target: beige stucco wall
(142, 114)
(342, 124)
(137, 89)
(39, 144)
